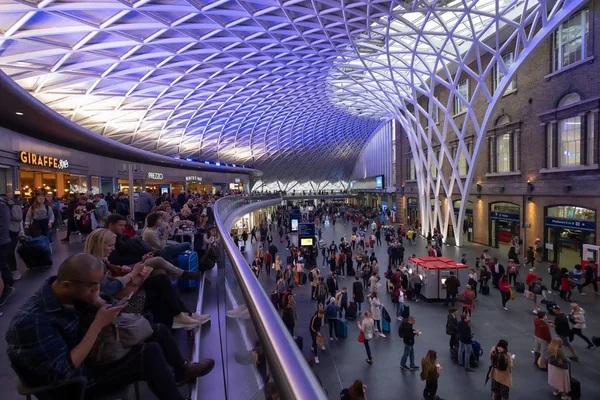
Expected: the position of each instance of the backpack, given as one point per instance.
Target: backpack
(401, 330)
(311, 277)
(321, 290)
(500, 360)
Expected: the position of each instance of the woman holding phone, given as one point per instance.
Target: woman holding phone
(153, 293)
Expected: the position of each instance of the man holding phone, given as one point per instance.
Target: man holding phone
(48, 341)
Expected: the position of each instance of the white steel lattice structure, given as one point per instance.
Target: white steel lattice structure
(294, 88)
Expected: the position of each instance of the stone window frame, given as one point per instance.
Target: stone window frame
(514, 129)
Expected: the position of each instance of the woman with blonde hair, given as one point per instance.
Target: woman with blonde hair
(39, 217)
(558, 369)
(577, 318)
(154, 293)
(430, 373)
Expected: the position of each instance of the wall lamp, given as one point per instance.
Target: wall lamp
(530, 198)
(479, 188)
(530, 186)
(402, 189)
(501, 189)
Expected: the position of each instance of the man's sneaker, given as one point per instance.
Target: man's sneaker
(16, 275)
(323, 348)
(233, 313)
(505, 308)
(192, 371)
(331, 339)
(399, 318)
(381, 335)
(583, 294)
(8, 290)
(316, 360)
(184, 321)
(404, 367)
(536, 311)
(414, 368)
(202, 318)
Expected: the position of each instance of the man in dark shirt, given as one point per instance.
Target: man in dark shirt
(408, 333)
(465, 342)
(48, 341)
(452, 284)
(561, 327)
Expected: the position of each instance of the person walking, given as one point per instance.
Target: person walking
(321, 291)
(577, 318)
(504, 286)
(430, 373)
(473, 279)
(530, 257)
(562, 330)
(558, 369)
(357, 293)
(367, 328)
(501, 370)
(313, 277)
(565, 285)
(408, 333)
(343, 301)
(268, 262)
(542, 336)
(590, 278)
(452, 327)
(555, 274)
(398, 300)
(465, 342)
(376, 307)
(315, 332)
(452, 285)
(467, 300)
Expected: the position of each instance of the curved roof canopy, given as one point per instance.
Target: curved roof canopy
(294, 88)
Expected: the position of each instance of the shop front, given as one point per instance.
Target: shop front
(566, 229)
(412, 211)
(197, 184)
(237, 185)
(157, 182)
(102, 184)
(123, 186)
(467, 227)
(504, 223)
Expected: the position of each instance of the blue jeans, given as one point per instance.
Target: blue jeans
(399, 309)
(409, 351)
(368, 348)
(171, 253)
(465, 349)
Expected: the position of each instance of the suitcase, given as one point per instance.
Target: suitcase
(385, 326)
(35, 252)
(485, 290)
(188, 261)
(352, 311)
(405, 312)
(596, 341)
(519, 286)
(342, 328)
(575, 393)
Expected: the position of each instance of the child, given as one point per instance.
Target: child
(565, 285)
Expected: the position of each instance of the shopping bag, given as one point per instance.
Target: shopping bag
(512, 294)
(528, 294)
(361, 337)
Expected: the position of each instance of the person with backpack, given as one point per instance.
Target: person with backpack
(357, 293)
(513, 271)
(562, 329)
(408, 333)
(321, 291)
(501, 370)
(465, 342)
(467, 300)
(430, 373)
(343, 301)
(577, 318)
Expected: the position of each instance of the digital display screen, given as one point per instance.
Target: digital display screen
(306, 242)
(294, 224)
(443, 281)
(379, 182)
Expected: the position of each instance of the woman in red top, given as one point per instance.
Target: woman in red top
(468, 300)
(504, 286)
(531, 278)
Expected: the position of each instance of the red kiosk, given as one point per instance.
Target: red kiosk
(434, 271)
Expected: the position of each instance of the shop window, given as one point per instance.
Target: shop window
(462, 89)
(508, 60)
(571, 41)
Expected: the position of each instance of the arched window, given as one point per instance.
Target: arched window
(569, 99)
(502, 120)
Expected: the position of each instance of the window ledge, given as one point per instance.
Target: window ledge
(459, 114)
(411, 181)
(569, 169)
(586, 60)
(513, 91)
(496, 174)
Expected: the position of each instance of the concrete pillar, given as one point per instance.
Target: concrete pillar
(60, 184)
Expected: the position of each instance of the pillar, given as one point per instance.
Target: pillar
(60, 184)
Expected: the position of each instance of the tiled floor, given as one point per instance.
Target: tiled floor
(344, 360)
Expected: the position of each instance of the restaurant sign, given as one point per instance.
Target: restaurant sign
(155, 175)
(39, 160)
(193, 179)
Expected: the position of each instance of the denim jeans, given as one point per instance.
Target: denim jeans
(450, 298)
(464, 353)
(541, 346)
(399, 309)
(368, 349)
(409, 351)
(171, 253)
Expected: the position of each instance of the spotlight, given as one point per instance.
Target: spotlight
(479, 188)
(530, 186)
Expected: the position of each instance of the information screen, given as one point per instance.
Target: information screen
(306, 242)
(294, 225)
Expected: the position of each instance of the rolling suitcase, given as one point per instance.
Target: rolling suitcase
(385, 326)
(188, 261)
(342, 328)
(575, 393)
(405, 312)
(35, 252)
(485, 290)
(519, 286)
(352, 311)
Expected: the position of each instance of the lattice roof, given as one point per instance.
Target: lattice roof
(294, 88)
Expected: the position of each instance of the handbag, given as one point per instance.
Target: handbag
(361, 337)
(320, 341)
(558, 362)
(512, 294)
(115, 340)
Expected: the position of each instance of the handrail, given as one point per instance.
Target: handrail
(294, 379)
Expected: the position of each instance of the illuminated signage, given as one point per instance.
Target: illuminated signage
(237, 180)
(306, 242)
(155, 175)
(193, 179)
(379, 182)
(42, 161)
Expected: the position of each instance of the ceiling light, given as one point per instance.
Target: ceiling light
(19, 113)
(218, 164)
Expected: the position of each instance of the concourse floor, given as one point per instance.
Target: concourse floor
(345, 360)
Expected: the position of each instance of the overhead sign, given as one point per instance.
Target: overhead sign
(155, 175)
(571, 224)
(413, 202)
(237, 180)
(505, 216)
(39, 160)
(193, 179)
(306, 230)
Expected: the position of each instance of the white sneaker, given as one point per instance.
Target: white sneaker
(381, 335)
(316, 360)
(536, 311)
(323, 348)
(399, 318)
(183, 321)
(202, 318)
(505, 308)
(583, 294)
(331, 339)
(245, 314)
(16, 275)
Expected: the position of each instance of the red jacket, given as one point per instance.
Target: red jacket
(565, 284)
(504, 286)
(470, 303)
(531, 277)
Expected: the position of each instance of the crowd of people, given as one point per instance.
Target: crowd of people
(108, 313)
